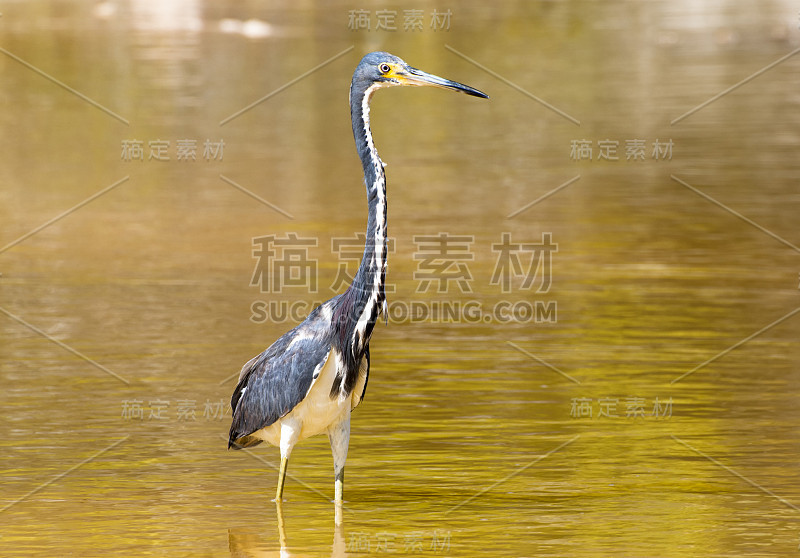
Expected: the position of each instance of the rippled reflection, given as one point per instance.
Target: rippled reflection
(244, 542)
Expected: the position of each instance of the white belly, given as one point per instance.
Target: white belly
(314, 414)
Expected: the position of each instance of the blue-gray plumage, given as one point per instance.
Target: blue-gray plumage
(313, 376)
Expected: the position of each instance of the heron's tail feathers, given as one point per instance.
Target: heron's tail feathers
(243, 442)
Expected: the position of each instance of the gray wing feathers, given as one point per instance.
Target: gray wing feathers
(361, 383)
(248, 366)
(274, 382)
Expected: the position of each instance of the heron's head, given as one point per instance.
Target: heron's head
(382, 69)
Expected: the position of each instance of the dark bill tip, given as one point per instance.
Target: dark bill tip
(418, 77)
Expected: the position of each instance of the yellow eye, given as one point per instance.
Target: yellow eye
(384, 68)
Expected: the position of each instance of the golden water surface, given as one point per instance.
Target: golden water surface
(633, 394)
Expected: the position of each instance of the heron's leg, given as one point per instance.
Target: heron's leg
(281, 478)
(339, 436)
(338, 490)
(290, 432)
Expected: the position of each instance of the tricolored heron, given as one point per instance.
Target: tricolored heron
(313, 376)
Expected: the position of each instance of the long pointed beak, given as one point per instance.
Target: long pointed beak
(418, 77)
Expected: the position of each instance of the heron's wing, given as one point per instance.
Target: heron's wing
(361, 383)
(274, 382)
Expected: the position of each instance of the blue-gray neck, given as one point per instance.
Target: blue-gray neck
(358, 308)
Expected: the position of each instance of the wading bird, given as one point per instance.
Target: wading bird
(310, 379)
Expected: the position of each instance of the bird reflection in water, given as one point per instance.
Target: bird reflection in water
(245, 543)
